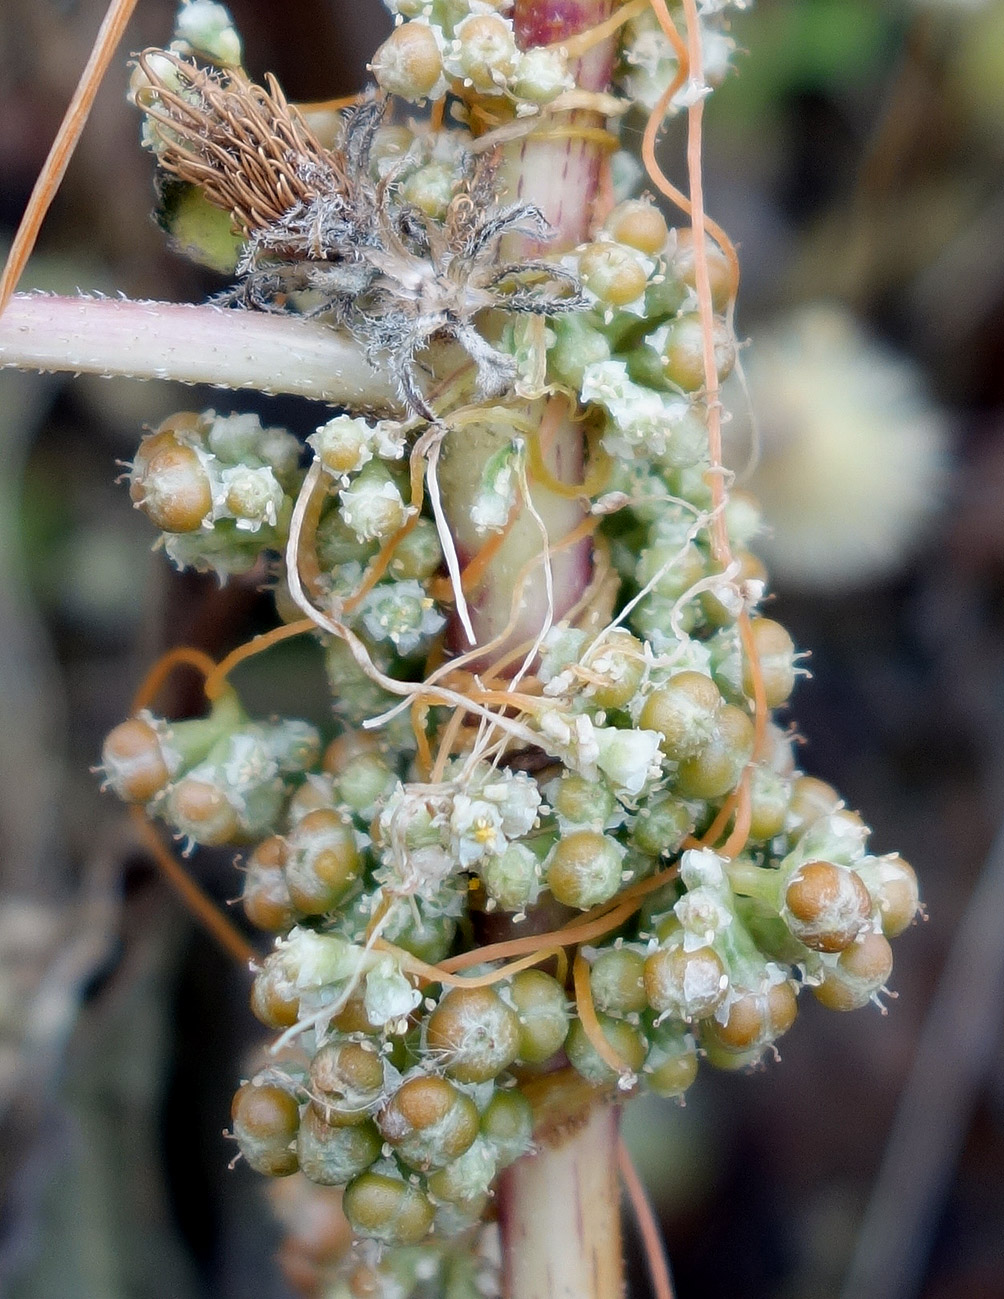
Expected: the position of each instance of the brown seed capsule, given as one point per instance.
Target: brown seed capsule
(897, 894)
(810, 799)
(387, 1209)
(323, 861)
(169, 484)
(719, 270)
(688, 985)
(584, 869)
(717, 767)
(265, 896)
(266, 1120)
(639, 224)
(755, 1019)
(683, 352)
(345, 748)
(776, 654)
(346, 1079)
(683, 711)
(860, 971)
(200, 810)
(429, 1122)
(474, 1033)
(408, 63)
(274, 998)
(613, 273)
(134, 762)
(826, 906)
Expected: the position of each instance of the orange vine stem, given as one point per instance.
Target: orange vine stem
(587, 1017)
(151, 684)
(199, 903)
(216, 682)
(651, 1239)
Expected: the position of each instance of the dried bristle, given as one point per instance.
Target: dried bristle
(246, 147)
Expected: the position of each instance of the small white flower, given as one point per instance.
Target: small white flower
(703, 915)
(388, 994)
(701, 866)
(476, 827)
(517, 797)
(402, 613)
(251, 496)
(372, 508)
(627, 757)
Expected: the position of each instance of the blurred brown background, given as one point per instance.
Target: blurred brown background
(857, 160)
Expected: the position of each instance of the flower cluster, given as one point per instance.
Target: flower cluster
(618, 786)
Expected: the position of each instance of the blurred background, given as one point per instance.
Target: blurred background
(857, 161)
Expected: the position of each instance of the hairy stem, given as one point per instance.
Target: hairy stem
(190, 344)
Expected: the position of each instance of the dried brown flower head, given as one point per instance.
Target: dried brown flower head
(318, 222)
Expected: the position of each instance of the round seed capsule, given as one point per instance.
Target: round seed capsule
(507, 1126)
(542, 1011)
(582, 801)
(639, 224)
(613, 273)
(751, 569)
(671, 1064)
(662, 826)
(486, 51)
(860, 971)
(719, 271)
(133, 761)
(897, 895)
(274, 998)
(387, 1209)
(716, 768)
(347, 1080)
(170, 485)
(367, 779)
(776, 654)
(683, 352)
(466, 1178)
(619, 664)
(755, 1020)
(266, 1120)
(617, 982)
(474, 1033)
(683, 711)
(670, 569)
(343, 751)
(352, 1018)
(429, 1122)
(265, 896)
(512, 879)
(408, 63)
(826, 906)
(201, 811)
(689, 985)
(584, 869)
(625, 1039)
(770, 796)
(332, 1156)
(323, 861)
(418, 554)
(810, 800)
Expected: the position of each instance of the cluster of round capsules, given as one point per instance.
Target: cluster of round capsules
(635, 794)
